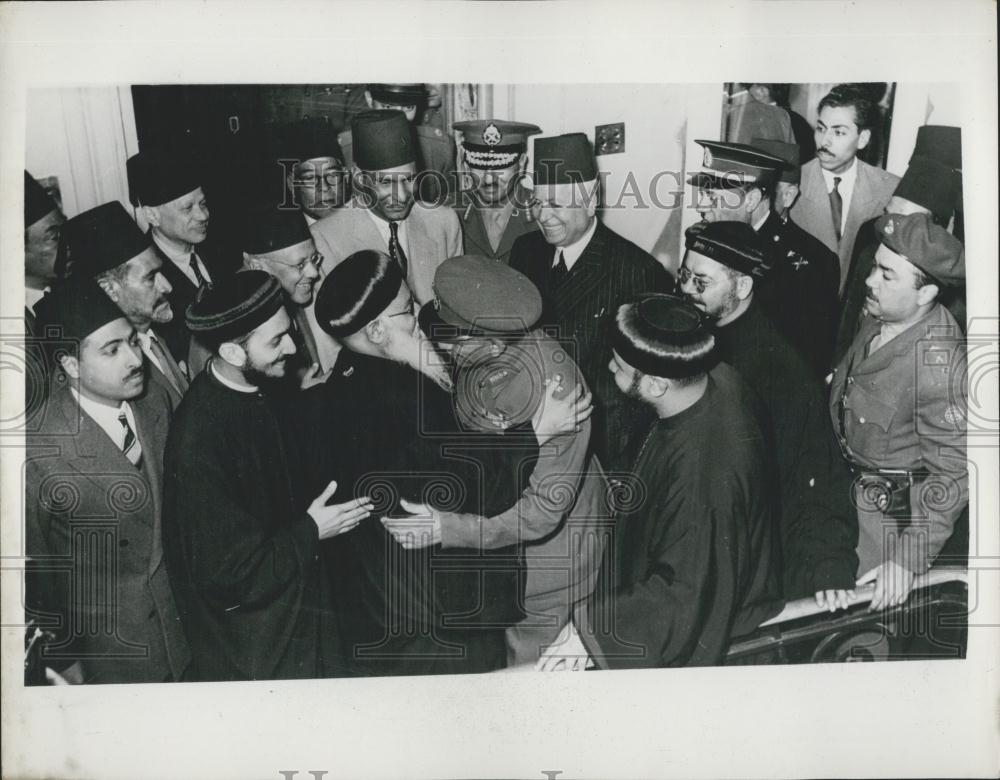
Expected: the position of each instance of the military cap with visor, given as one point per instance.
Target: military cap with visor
(731, 165)
(494, 144)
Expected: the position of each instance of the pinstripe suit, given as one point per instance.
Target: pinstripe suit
(611, 271)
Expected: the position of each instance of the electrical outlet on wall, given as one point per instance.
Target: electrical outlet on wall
(609, 139)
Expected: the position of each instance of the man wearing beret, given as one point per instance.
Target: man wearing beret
(839, 192)
(99, 454)
(278, 241)
(494, 209)
(509, 376)
(931, 185)
(314, 176)
(757, 185)
(435, 149)
(692, 564)
(816, 523)
(382, 214)
(585, 271)
(241, 533)
(168, 191)
(898, 406)
(108, 246)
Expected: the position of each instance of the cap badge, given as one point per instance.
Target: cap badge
(492, 135)
(708, 159)
(890, 227)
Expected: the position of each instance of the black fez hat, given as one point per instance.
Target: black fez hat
(664, 335)
(37, 202)
(564, 159)
(791, 171)
(234, 307)
(269, 228)
(103, 238)
(306, 139)
(933, 185)
(929, 247)
(492, 144)
(941, 143)
(398, 94)
(356, 291)
(474, 294)
(155, 180)
(734, 244)
(78, 307)
(382, 139)
(729, 165)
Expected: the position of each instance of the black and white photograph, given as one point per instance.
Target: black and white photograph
(359, 413)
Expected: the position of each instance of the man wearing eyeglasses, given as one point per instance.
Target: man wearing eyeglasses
(585, 271)
(383, 214)
(277, 241)
(818, 527)
(310, 162)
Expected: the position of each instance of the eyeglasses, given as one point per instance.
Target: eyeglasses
(684, 276)
(330, 178)
(316, 260)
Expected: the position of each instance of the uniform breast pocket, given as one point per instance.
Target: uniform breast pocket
(869, 424)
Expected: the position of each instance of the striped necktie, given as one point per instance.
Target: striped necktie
(131, 446)
(396, 249)
(198, 275)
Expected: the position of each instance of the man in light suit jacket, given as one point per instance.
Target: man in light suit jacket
(383, 214)
(839, 192)
(96, 574)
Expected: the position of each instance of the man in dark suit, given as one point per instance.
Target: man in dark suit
(585, 271)
(307, 165)
(168, 191)
(109, 247)
(492, 204)
(93, 503)
(839, 192)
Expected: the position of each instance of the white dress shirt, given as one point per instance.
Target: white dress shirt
(572, 252)
(846, 188)
(144, 339)
(383, 229)
(32, 297)
(183, 261)
(107, 417)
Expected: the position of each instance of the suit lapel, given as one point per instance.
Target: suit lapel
(861, 200)
(585, 275)
(152, 425)
(814, 192)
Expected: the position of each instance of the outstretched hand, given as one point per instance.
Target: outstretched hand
(421, 529)
(338, 518)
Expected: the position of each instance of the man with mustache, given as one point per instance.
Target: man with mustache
(839, 192)
(898, 404)
(241, 532)
(492, 202)
(99, 454)
(310, 163)
(383, 214)
(108, 246)
(817, 530)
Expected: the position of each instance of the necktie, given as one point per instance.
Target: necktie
(131, 446)
(170, 369)
(199, 277)
(396, 249)
(559, 272)
(836, 206)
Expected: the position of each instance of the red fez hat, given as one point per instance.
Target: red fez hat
(382, 139)
(157, 179)
(78, 307)
(103, 238)
(37, 202)
(270, 229)
(564, 159)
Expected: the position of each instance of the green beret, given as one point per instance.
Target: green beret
(103, 238)
(929, 247)
(730, 165)
(473, 294)
(734, 244)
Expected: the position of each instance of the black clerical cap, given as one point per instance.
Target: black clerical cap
(103, 238)
(933, 185)
(734, 244)
(729, 165)
(474, 294)
(357, 291)
(306, 139)
(382, 139)
(665, 336)
(268, 228)
(37, 203)
(75, 309)
(564, 159)
(791, 171)
(157, 179)
(235, 306)
(398, 94)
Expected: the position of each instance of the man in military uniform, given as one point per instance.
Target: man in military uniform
(898, 406)
(436, 148)
(799, 292)
(492, 204)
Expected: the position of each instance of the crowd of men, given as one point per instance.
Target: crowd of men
(410, 430)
